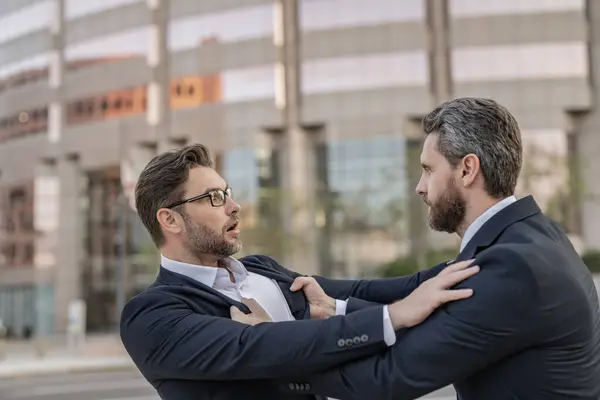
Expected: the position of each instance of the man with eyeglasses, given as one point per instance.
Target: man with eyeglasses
(179, 331)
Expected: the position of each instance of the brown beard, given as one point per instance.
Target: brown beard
(203, 240)
(448, 212)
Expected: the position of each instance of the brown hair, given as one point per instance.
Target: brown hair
(161, 184)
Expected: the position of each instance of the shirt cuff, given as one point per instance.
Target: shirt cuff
(389, 335)
(340, 307)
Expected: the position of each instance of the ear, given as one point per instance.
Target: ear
(169, 220)
(470, 169)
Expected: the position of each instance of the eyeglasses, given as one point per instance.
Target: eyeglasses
(218, 197)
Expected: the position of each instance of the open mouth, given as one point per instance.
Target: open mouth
(232, 227)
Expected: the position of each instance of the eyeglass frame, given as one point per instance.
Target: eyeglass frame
(227, 192)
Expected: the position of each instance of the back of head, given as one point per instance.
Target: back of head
(486, 129)
(161, 183)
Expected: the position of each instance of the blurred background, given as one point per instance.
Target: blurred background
(312, 111)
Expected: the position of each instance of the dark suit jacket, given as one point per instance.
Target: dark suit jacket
(180, 335)
(530, 331)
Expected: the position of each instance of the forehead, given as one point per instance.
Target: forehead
(201, 179)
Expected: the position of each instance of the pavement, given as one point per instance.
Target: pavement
(120, 385)
(98, 353)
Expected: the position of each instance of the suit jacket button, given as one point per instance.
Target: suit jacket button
(356, 340)
(364, 338)
(341, 343)
(297, 386)
(291, 386)
(307, 386)
(349, 342)
(301, 386)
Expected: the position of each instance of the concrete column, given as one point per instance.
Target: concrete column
(588, 140)
(132, 164)
(70, 238)
(440, 51)
(46, 223)
(158, 110)
(295, 147)
(56, 112)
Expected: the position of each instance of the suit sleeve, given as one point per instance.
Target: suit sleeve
(167, 340)
(500, 319)
(369, 292)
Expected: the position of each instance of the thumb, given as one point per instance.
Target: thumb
(298, 284)
(235, 312)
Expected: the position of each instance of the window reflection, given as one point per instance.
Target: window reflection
(125, 43)
(249, 83)
(368, 176)
(78, 8)
(227, 26)
(32, 65)
(365, 72)
(329, 14)
(17, 210)
(547, 60)
(241, 173)
(26, 20)
(473, 8)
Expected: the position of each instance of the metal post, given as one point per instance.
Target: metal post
(121, 275)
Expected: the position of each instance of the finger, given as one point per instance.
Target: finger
(235, 313)
(447, 281)
(457, 267)
(453, 295)
(299, 283)
(254, 307)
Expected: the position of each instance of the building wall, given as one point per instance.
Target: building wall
(365, 70)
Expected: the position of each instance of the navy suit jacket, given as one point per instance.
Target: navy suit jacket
(530, 331)
(180, 335)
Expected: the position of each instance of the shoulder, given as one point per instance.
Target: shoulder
(507, 274)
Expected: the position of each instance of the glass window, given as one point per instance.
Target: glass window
(369, 172)
(228, 26)
(473, 8)
(527, 61)
(365, 72)
(248, 84)
(330, 14)
(241, 173)
(29, 19)
(77, 8)
(36, 62)
(133, 42)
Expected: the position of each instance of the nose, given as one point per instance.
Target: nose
(421, 188)
(231, 206)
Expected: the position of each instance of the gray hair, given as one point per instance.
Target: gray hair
(486, 129)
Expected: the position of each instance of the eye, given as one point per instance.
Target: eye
(217, 196)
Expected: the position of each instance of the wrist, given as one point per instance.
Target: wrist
(397, 316)
(331, 307)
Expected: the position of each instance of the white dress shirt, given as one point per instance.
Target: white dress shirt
(262, 289)
(483, 218)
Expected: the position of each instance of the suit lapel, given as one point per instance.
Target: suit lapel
(493, 228)
(296, 300)
(171, 278)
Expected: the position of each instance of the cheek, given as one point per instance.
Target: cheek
(434, 187)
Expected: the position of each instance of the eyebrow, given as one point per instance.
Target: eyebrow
(215, 188)
(425, 166)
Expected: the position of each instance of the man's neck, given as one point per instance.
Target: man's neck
(184, 256)
(475, 209)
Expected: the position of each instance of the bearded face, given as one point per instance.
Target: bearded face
(204, 240)
(446, 211)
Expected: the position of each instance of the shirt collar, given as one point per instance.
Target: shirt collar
(209, 276)
(483, 218)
